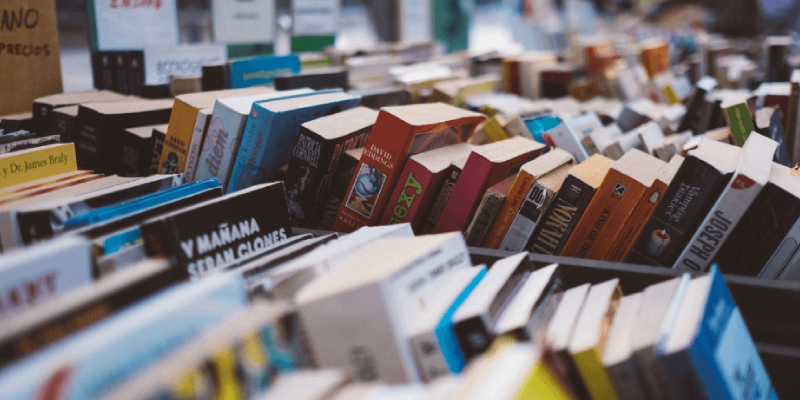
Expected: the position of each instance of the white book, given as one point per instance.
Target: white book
(650, 135)
(356, 316)
(749, 178)
(41, 272)
(198, 135)
(584, 125)
(596, 141)
(519, 312)
(566, 139)
(622, 144)
(224, 133)
(617, 357)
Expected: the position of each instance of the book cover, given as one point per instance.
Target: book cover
(338, 189)
(422, 174)
(37, 163)
(398, 133)
(487, 211)
(315, 159)
(261, 70)
(643, 210)
(563, 137)
(442, 195)
(485, 166)
(272, 133)
(40, 273)
(101, 126)
(704, 174)
(768, 124)
(209, 235)
(198, 136)
(739, 121)
(622, 189)
(224, 134)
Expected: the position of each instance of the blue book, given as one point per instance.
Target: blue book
(448, 343)
(539, 125)
(139, 204)
(261, 70)
(709, 353)
(272, 131)
(90, 363)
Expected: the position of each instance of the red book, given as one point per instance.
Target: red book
(417, 185)
(399, 132)
(486, 166)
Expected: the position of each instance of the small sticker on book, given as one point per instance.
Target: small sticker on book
(619, 189)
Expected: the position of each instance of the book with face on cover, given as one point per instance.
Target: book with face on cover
(398, 133)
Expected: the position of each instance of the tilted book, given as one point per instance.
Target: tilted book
(198, 137)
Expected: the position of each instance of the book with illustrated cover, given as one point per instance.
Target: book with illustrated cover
(399, 132)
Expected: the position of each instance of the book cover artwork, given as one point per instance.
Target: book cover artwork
(365, 192)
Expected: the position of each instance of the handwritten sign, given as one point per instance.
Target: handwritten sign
(133, 24)
(29, 57)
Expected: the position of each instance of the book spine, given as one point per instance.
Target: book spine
(404, 203)
(739, 122)
(440, 199)
(338, 189)
(88, 140)
(428, 355)
(182, 122)
(478, 175)
(121, 72)
(103, 69)
(622, 245)
(530, 212)
(561, 218)
(28, 143)
(717, 226)
(655, 383)
(198, 136)
(776, 264)
(63, 125)
(310, 156)
(158, 147)
(243, 168)
(691, 194)
(594, 374)
(683, 380)
(221, 145)
(41, 118)
(130, 162)
(625, 378)
(505, 217)
(474, 337)
(483, 218)
(135, 72)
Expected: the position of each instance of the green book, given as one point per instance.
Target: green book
(739, 120)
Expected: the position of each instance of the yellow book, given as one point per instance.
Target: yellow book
(184, 115)
(541, 384)
(494, 130)
(36, 163)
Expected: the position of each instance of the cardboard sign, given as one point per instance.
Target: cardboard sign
(29, 59)
(133, 24)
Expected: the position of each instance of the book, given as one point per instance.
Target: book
(63, 121)
(315, 78)
(596, 141)
(422, 174)
(617, 357)
(158, 145)
(527, 177)
(487, 210)
(750, 176)
(137, 150)
(529, 304)
(387, 297)
(198, 137)
(485, 166)
(650, 135)
(623, 187)
(642, 212)
(308, 385)
(316, 156)
(671, 146)
(383, 97)
(456, 90)
(261, 70)
(475, 319)
(587, 345)
(62, 316)
(622, 144)
(348, 162)
(211, 234)
(101, 126)
(563, 137)
(737, 114)
(37, 163)
(399, 132)
(183, 122)
(28, 143)
(273, 131)
(118, 348)
(42, 183)
(442, 195)
(768, 124)
(39, 273)
(224, 134)
(713, 369)
(695, 188)
(43, 107)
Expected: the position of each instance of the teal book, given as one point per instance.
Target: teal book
(261, 70)
(272, 131)
(448, 341)
(708, 353)
(91, 362)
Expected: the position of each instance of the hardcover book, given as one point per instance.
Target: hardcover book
(486, 165)
(569, 205)
(421, 176)
(348, 162)
(217, 232)
(399, 132)
(102, 125)
(622, 189)
(750, 176)
(695, 188)
(272, 133)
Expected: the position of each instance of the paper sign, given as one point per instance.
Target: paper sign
(315, 17)
(244, 21)
(416, 21)
(160, 63)
(133, 24)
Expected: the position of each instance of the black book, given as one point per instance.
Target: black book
(314, 78)
(693, 191)
(159, 135)
(763, 226)
(17, 122)
(338, 189)
(696, 117)
(15, 136)
(474, 320)
(135, 72)
(44, 107)
(101, 127)
(120, 59)
(137, 150)
(215, 77)
(103, 70)
(316, 155)
(156, 91)
(563, 214)
(778, 51)
(218, 232)
(62, 122)
(442, 195)
(386, 97)
(32, 331)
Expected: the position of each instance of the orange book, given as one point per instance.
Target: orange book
(649, 201)
(655, 56)
(526, 177)
(616, 198)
